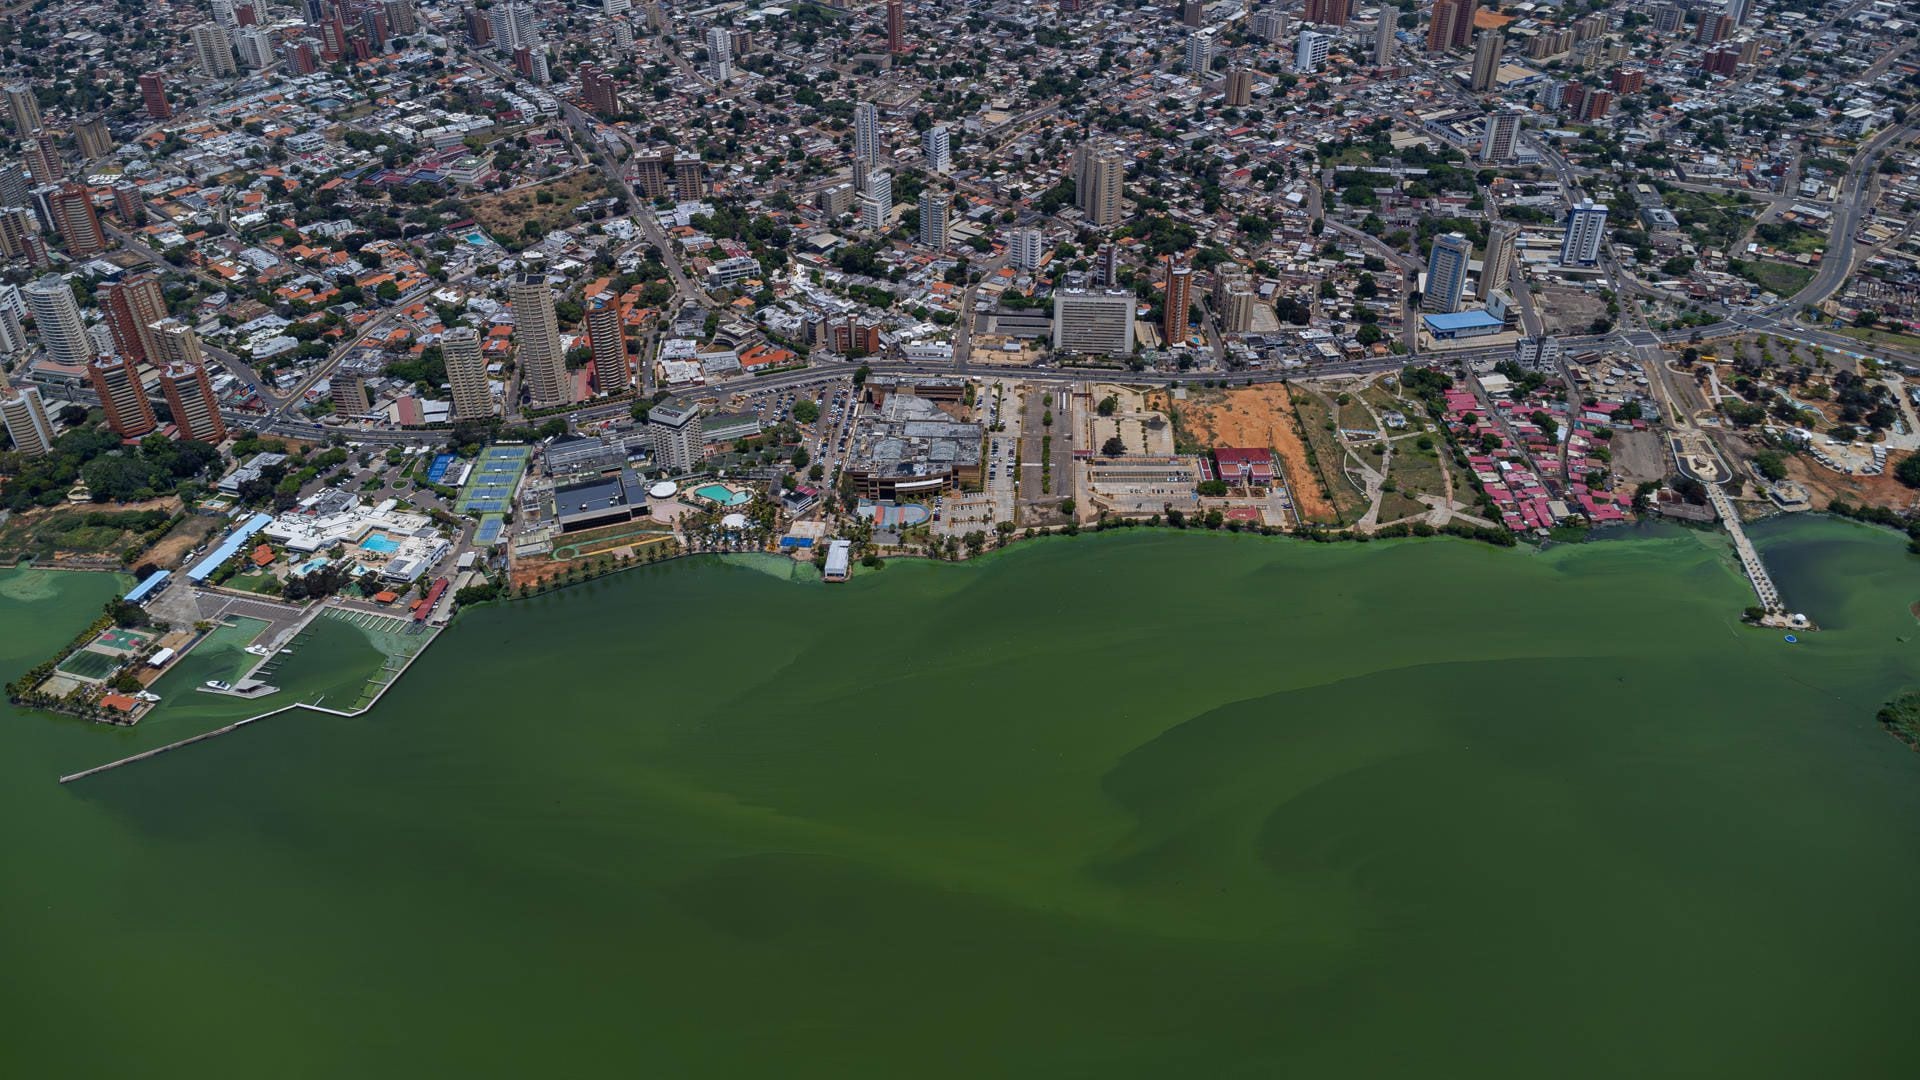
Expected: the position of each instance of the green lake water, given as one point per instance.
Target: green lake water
(1139, 805)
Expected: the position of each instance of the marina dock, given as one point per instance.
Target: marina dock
(384, 680)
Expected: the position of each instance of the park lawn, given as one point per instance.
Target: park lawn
(1781, 279)
(259, 583)
(1416, 470)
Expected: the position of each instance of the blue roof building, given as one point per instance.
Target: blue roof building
(1454, 325)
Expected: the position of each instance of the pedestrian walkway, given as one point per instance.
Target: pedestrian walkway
(1763, 585)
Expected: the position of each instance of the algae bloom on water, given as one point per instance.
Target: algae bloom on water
(1138, 805)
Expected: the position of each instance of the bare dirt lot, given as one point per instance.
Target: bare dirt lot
(1639, 455)
(172, 548)
(1569, 311)
(1254, 416)
(1825, 485)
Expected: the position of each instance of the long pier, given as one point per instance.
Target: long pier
(1763, 586)
(238, 724)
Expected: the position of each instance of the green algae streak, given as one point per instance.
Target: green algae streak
(1143, 805)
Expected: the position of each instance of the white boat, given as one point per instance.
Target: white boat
(219, 684)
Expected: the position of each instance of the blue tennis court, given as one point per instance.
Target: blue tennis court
(491, 526)
(437, 471)
(490, 485)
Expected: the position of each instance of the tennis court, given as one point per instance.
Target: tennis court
(490, 486)
(491, 526)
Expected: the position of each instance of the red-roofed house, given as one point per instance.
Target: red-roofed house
(1245, 466)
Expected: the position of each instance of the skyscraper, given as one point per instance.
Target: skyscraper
(174, 342)
(76, 221)
(131, 306)
(213, 51)
(255, 44)
(719, 54)
(896, 28)
(1383, 36)
(937, 147)
(466, 374)
(934, 207)
(92, 138)
(1329, 12)
(1239, 89)
(866, 133)
(117, 384)
(607, 339)
(25, 418)
(877, 204)
(1497, 266)
(1026, 247)
(512, 27)
(1199, 52)
(196, 412)
(1311, 50)
(13, 184)
(57, 317)
(543, 367)
(23, 109)
(1450, 24)
(1502, 131)
(1487, 48)
(348, 392)
(42, 158)
(1270, 26)
(1099, 185)
(1446, 273)
(1586, 232)
(19, 237)
(689, 176)
(1738, 10)
(1085, 321)
(1175, 314)
(1193, 13)
(678, 442)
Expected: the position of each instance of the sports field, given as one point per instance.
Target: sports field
(88, 664)
(490, 486)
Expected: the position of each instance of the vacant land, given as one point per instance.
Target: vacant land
(1318, 416)
(192, 531)
(1569, 311)
(532, 212)
(1781, 279)
(89, 535)
(1825, 485)
(1253, 416)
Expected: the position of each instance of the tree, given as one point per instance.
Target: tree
(1108, 405)
(806, 411)
(1114, 447)
(1908, 471)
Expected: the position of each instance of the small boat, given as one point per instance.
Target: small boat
(219, 684)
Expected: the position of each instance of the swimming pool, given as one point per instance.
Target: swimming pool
(380, 544)
(318, 562)
(724, 495)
